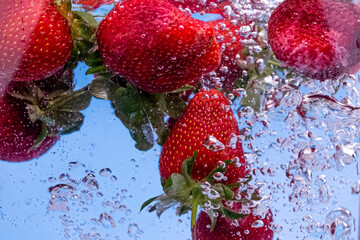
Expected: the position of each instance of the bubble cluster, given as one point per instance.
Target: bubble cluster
(87, 207)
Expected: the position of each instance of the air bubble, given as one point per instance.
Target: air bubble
(105, 172)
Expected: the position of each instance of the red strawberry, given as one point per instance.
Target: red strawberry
(228, 71)
(35, 40)
(18, 133)
(202, 161)
(248, 228)
(208, 114)
(318, 38)
(156, 46)
(93, 4)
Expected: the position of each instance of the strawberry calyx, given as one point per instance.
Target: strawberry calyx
(83, 27)
(57, 109)
(141, 112)
(181, 190)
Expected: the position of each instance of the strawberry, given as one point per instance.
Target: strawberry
(155, 46)
(250, 227)
(318, 38)
(18, 134)
(35, 40)
(208, 114)
(202, 161)
(93, 4)
(228, 71)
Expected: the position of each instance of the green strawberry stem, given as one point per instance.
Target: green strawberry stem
(196, 193)
(275, 63)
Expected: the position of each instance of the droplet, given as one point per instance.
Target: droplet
(64, 177)
(275, 227)
(61, 189)
(66, 221)
(106, 220)
(257, 224)
(356, 187)
(134, 230)
(113, 178)
(212, 144)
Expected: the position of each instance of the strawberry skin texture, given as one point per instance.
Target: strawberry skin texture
(18, 133)
(35, 40)
(225, 230)
(208, 113)
(319, 38)
(156, 46)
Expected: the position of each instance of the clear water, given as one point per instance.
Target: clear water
(301, 139)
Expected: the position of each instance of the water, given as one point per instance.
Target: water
(300, 138)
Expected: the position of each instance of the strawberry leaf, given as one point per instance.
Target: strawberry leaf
(25, 91)
(84, 25)
(175, 106)
(163, 205)
(65, 122)
(174, 185)
(221, 168)
(144, 137)
(162, 134)
(96, 69)
(187, 167)
(184, 88)
(41, 137)
(229, 194)
(103, 88)
(231, 214)
(72, 101)
(94, 59)
(152, 106)
(183, 209)
(146, 203)
(129, 109)
(213, 219)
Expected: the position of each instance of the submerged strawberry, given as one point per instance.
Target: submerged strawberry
(209, 127)
(202, 161)
(318, 38)
(18, 134)
(156, 46)
(232, 51)
(35, 40)
(250, 227)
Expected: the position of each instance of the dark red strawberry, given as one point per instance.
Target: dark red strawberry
(35, 40)
(250, 227)
(156, 46)
(230, 40)
(319, 38)
(93, 4)
(18, 134)
(207, 115)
